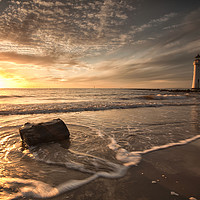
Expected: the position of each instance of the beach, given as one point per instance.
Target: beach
(169, 174)
(124, 144)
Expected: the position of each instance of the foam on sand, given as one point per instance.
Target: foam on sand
(38, 189)
(134, 157)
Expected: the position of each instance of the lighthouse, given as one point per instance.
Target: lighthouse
(196, 73)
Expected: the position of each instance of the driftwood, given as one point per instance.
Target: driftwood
(52, 131)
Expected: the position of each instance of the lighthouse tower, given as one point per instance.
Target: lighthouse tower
(196, 73)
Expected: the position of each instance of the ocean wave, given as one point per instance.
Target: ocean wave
(163, 97)
(59, 108)
(11, 96)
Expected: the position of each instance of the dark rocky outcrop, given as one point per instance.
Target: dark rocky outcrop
(52, 131)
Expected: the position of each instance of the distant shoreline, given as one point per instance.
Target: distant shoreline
(173, 90)
(149, 89)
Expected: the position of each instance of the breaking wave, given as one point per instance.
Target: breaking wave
(163, 97)
(66, 108)
(11, 96)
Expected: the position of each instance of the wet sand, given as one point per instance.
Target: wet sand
(169, 174)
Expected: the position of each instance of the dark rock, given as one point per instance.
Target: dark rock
(52, 131)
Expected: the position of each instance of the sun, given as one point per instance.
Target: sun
(14, 82)
(2, 83)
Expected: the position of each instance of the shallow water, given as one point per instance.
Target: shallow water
(120, 126)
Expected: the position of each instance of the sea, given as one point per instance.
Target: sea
(110, 131)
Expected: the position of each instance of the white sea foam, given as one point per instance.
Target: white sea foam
(9, 147)
(78, 107)
(128, 158)
(163, 97)
(38, 189)
(5, 139)
(169, 96)
(181, 142)
(134, 157)
(113, 144)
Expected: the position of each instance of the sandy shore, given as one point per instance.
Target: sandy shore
(169, 174)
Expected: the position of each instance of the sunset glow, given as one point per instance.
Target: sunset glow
(2, 83)
(8, 83)
(104, 43)
(12, 82)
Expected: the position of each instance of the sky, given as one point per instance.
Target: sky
(102, 43)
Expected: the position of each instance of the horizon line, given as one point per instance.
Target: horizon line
(97, 88)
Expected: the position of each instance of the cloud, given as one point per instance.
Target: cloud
(85, 41)
(184, 33)
(165, 68)
(44, 3)
(12, 57)
(153, 23)
(163, 19)
(167, 59)
(89, 26)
